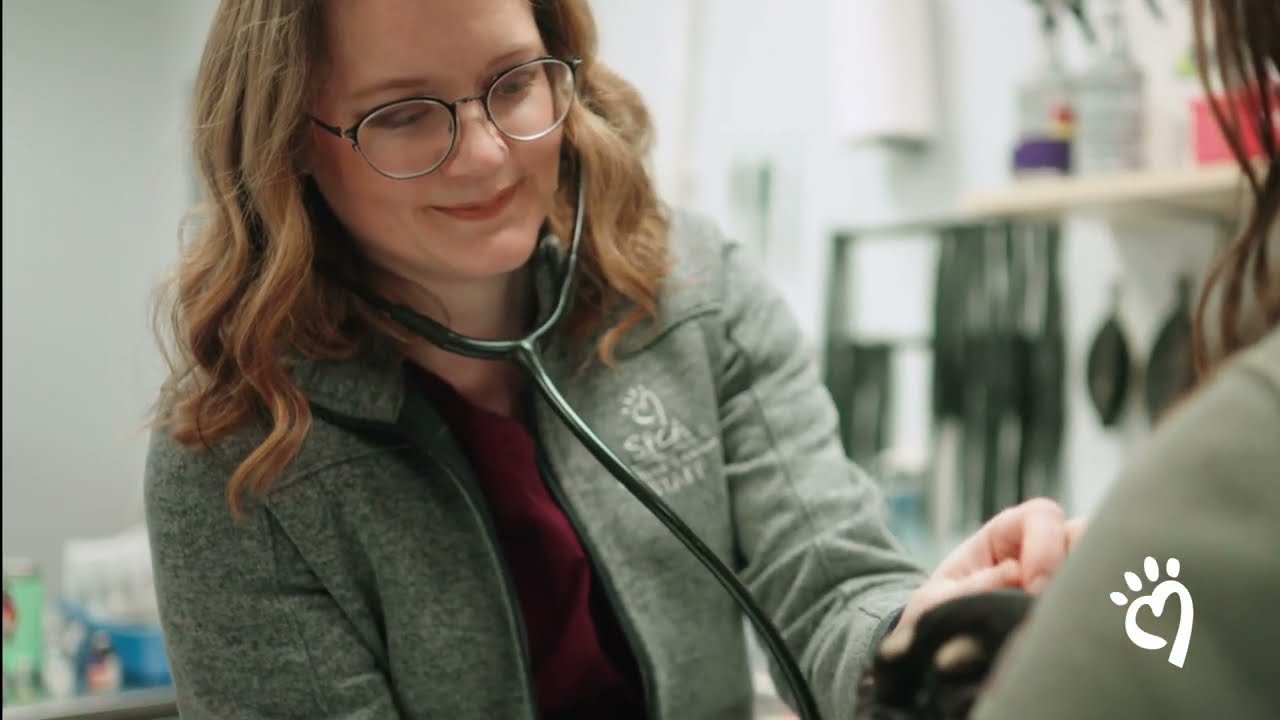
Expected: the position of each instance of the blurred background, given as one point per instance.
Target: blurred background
(981, 213)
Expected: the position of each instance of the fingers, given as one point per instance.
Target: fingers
(1044, 543)
(1004, 575)
(1001, 576)
(1035, 533)
(1075, 529)
(997, 577)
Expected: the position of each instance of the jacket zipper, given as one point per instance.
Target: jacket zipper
(514, 616)
(480, 510)
(644, 662)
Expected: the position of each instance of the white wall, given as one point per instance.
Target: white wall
(649, 44)
(94, 186)
(765, 89)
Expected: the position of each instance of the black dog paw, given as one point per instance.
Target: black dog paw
(936, 670)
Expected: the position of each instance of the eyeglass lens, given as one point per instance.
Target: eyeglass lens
(414, 137)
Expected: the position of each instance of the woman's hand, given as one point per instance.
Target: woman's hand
(1018, 548)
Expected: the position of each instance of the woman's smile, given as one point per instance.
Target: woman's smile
(487, 208)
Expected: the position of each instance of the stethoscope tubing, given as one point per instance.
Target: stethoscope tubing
(523, 352)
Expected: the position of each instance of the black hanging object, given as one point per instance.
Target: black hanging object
(1171, 368)
(859, 376)
(1076, 8)
(871, 401)
(1043, 438)
(949, 327)
(1108, 368)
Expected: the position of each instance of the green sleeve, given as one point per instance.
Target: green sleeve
(1206, 491)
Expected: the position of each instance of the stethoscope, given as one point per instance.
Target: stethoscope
(523, 352)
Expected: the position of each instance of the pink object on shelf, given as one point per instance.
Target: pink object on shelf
(1207, 140)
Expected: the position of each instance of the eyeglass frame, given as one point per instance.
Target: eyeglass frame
(352, 133)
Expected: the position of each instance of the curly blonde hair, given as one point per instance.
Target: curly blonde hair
(246, 295)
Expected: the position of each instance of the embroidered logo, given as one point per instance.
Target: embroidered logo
(1154, 601)
(664, 452)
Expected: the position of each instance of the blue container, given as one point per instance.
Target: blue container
(142, 655)
(140, 648)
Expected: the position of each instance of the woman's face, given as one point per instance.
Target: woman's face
(477, 216)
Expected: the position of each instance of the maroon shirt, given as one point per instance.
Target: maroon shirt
(582, 665)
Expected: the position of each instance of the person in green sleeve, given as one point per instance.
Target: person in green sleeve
(1169, 607)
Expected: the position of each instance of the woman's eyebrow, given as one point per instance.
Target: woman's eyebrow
(411, 83)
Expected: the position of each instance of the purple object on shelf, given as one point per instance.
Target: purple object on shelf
(1043, 155)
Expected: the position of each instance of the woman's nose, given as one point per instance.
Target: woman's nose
(480, 147)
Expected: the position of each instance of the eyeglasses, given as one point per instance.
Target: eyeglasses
(409, 138)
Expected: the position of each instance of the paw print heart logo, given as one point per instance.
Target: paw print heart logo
(1155, 601)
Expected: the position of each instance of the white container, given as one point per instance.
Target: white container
(1110, 101)
(882, 63)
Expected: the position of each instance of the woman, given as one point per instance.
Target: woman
(347, 521)
(1197, 515)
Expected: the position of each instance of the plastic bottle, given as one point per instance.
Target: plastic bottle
(1110, 99)
(59, 671)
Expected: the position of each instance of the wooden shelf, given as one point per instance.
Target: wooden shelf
(1213, 192)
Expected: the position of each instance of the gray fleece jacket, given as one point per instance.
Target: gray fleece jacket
(369, 583)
